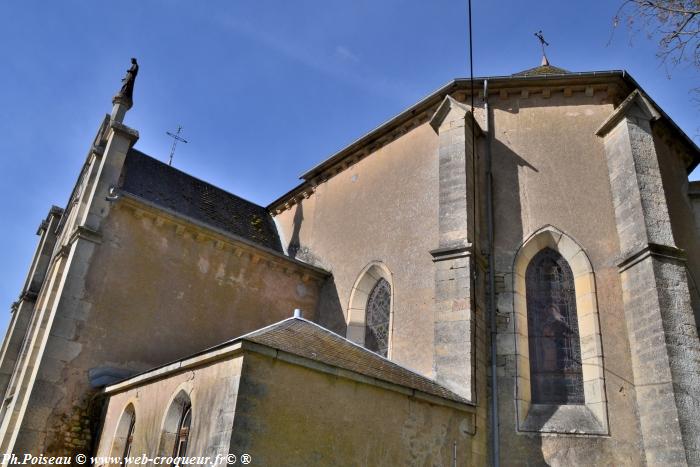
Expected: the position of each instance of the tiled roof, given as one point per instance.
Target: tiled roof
(177, 191)
(300, 337)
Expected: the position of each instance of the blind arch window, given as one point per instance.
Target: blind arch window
(556, 375)
(377, 316)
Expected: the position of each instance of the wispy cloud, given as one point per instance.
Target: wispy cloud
(324, 62)
(345, 53)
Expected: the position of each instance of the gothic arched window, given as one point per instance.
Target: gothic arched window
(124, 435)
(128, 442)
(555, 351)
(183, 434)
(377, 318)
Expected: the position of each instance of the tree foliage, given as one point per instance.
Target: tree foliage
(674, 23)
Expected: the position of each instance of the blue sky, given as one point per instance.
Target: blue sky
(263, 89)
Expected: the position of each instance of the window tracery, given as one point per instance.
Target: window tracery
(377, 318)
(555, 354)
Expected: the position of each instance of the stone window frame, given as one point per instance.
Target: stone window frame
(181, 398)
(592, 416)
(357, 307)
(127, 420)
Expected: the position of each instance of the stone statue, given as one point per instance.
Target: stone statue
(126, 93)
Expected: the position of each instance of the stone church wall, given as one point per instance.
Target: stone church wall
(283, 413)
(211, 390)
(384, 209)
(550, 169)
(156, 289)
(291, 415)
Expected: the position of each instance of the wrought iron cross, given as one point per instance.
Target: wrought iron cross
(176, 138)
(543, 42)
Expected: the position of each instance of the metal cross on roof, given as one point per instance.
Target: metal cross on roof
(543, 43)
(176, 138)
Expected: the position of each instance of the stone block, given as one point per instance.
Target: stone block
(593, 391)
(522, 344)
(586, 304)
(590, 346)
(588, 325)
(584, 284)
(523, 389)
(505, 344)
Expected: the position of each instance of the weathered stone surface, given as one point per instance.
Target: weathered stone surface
(661, 325)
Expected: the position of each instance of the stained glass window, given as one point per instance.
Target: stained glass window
(555, 352)
(377, 318)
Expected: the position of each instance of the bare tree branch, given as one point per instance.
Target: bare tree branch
(674, 23)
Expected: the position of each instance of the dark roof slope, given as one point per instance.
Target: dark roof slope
(162, 185)
(303, 338)
(306, 339)
(543, 70)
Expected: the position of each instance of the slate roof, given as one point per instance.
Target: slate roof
(163, 185)
(304, 338)
(543, 70)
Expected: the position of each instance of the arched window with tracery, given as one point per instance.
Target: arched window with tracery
(377, 318)
(553, 334)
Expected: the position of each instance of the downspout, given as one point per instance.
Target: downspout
(491, 303)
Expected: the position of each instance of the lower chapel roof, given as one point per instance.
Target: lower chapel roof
(162, 185)
(303, 338)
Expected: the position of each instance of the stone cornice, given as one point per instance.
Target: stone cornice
(651, 249)
(125, 131)
(199, 231)
(55, 211)
(452, 252)
(84, 233)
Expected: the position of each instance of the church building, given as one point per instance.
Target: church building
(503, 274)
